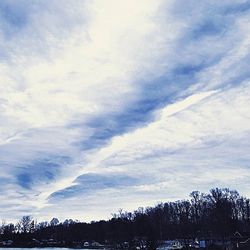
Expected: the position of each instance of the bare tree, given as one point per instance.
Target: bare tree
(54, 222)
(26, 224)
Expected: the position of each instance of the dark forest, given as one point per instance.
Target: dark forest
(218, 214)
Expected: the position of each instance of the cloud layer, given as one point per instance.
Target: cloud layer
(117, 104)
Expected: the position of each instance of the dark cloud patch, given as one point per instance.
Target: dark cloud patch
(43, 170)
(88, 183)
(13, 17)
(25, 180)
(153, 94)
(238, 8)
(209, 28)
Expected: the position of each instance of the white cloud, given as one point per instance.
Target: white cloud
(72, 71)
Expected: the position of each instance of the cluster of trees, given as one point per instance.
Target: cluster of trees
(28, 225)
(219, 213)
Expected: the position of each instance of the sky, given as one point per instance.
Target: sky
(109, 104)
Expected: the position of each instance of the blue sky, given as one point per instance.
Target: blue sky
(112, 104)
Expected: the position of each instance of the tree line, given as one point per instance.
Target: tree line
(219, 213)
